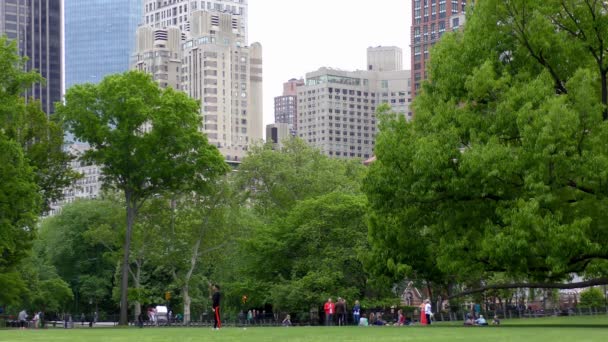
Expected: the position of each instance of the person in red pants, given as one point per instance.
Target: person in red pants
(217, 321)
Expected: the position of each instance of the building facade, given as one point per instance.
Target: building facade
(286, 106)
(87, 187)
(36, 25)
(99, 38)
(337, 108)
(225, 75)
(384, 58)
(167, 13)
(159, 53)
(430, 20)
(278, 133)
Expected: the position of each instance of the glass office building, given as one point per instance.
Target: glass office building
(36, 26)
(99, 38)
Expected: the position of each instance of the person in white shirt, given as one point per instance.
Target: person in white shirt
(481, 321)
(427, 311)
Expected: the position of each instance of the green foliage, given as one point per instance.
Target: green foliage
(145, 139)
(591, 298)
(303, 242)
(19, 207)
(503, 168)
(76, 244)
(40, 138)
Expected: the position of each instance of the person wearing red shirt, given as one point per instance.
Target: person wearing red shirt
(330, 309)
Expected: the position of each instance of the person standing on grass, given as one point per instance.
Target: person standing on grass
(427, 311)
(22, 317)
(423, 320)
(217, 322)
(340, 310)
(356, 312)
(330, 309)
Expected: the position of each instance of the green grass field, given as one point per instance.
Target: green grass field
(593, 328)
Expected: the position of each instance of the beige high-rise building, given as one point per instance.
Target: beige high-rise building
(226, 76)
(176, 13)
(159, 53)
(384, 58)
(337, 108)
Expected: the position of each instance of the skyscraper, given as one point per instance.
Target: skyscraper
(36, 26)
(286, 106)
(99, 38)
(167, 13)
(212, 63)
(225, 75)
(430, 20)
(337, 108)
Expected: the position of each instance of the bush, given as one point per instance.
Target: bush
(592, 298)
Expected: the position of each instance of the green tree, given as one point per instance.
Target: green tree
(19, 207)
(40, 138)
(316, 252)
(146, 141)
(503, 169)
(592, 298)
(69, 242)
(307, 230)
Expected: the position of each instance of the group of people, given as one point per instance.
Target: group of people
(37, 320)
(479, 321)
(339, 310)
(92, 319)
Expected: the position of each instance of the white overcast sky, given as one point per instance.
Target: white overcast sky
(300, 36)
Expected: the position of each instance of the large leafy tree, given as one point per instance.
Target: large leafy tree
(145, 139)
(20, 197)
(39, 136)
(69, 242)
(307, 229)
(504, 167)
(19, 208)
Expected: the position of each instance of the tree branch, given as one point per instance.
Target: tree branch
(582, 284)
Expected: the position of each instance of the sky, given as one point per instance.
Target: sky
(300, 36)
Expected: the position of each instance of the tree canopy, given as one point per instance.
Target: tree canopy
(504, 167)
(307, 231)
(145, 139)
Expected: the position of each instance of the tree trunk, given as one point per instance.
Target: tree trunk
(124, 282)
(137, 304)
(187, 302)
(604, 94)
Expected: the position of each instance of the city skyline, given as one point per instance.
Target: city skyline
(305, 36)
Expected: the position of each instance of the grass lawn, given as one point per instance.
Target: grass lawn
(558, 329)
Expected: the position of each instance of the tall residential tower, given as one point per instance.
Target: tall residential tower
(167, 13)
(36, 25)
(286, 106)
(430, 20)
(99, 38)
(337, 108)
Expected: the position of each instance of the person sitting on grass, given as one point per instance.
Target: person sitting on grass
(379, 320)
(469, 320)
(496, 321)
(481, 321)
(400, 318)
(287, 321)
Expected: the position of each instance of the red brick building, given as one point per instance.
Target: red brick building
(430, 20)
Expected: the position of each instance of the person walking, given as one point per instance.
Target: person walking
(216, 297)
(356, 312)
(427, 311)
(330, 309)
